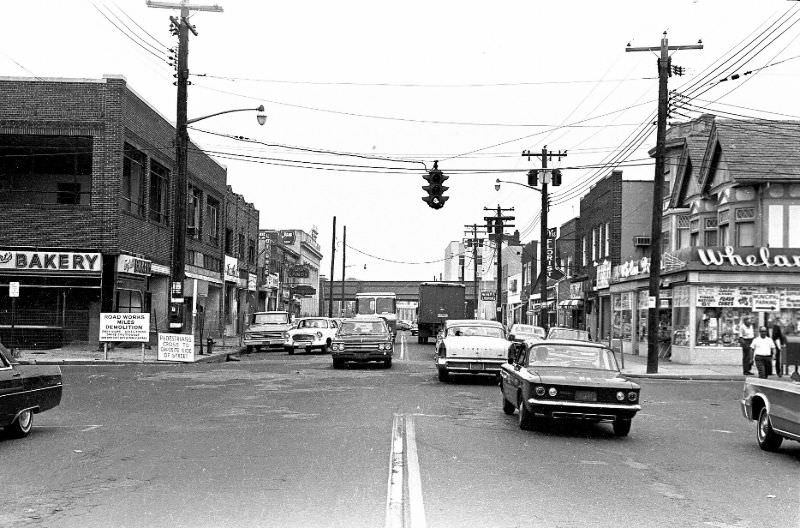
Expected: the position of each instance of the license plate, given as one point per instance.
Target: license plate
(476, 366)
(586, 395)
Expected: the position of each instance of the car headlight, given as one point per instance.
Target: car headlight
(539, 390)
(620, 396)
(553, 392)
(633, 396)
(319, 335)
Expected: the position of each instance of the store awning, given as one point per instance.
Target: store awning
(571, 303)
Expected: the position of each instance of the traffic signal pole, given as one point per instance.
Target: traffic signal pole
(499, 225)
(658, 184)
(475, 281)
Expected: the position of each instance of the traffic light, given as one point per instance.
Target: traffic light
(556, 177)
(435, 187)
(533, 177)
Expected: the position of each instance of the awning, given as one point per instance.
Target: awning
(571, 303)
(550, 305)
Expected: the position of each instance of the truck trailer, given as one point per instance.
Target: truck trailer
(438, 302)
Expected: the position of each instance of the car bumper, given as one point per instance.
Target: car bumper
(747, 408)
(582, 410)
(263, 342)
(373, 355)
(474, 365)
(306, 344)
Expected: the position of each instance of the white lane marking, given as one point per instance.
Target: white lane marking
(416, 507)
(721, 431)
(89, 428)
(394, 495)
(403, 346)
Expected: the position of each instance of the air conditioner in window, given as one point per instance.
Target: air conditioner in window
(641, 241)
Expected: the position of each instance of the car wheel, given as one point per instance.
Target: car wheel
(250, 349)
(508, 407)
(387, 363)
(768, 440)
(526, 418)
(443, 374)
(622, 426)
(338, 363)
(22, 426)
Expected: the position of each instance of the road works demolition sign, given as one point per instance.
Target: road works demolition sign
(134, 327)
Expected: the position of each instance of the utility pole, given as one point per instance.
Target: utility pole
(658, 184)
(179, 187)
(499, 225)
(474, 242)
(333, 260)
(344, 267)
(544, 244)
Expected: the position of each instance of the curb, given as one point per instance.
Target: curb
(688, 377)
(217, 357)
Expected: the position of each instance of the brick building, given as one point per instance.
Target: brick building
(86, 218)
(241, 274)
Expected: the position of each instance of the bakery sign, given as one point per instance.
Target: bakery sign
(50, 261)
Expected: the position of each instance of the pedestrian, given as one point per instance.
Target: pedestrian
(763, 349)
(746, 335)
(780, 342)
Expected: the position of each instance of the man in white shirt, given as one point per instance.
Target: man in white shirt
(763, 348)
(746, 336)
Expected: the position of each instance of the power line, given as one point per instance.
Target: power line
(393, 261)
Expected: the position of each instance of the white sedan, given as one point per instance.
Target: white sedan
(310, 333)
(471, 346)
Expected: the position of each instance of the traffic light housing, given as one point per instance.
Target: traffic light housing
(435, 187)
(556, 177)
(533, 178)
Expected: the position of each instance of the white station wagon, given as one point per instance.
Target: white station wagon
(310, 333)
(471, 346)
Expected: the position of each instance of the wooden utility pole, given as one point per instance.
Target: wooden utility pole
(344, 265)
(499, 225)
(179, 183)
(333, 260)
(658, 195)
(544, 245)
(474, 241)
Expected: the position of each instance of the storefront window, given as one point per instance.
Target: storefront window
(680, 316)
(622, 315)
(129, 301)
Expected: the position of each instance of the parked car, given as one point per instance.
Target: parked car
(775, 405)
(362, 340)
(560, 332)
(470, 346)
(414, 329)
(26, 390)
(522, 332)
(311, 333)
(267, 329)
(568, 379)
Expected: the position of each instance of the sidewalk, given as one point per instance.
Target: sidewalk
(82, 355)
(636, 367)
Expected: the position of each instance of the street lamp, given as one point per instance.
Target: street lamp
(179, 191)
(545, 322)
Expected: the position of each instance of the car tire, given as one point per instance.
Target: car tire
(387, 363)
(768, 440)
(622, 426)
(443, 374)
(21, 427)
(338, 363)
(249, 349)
(508, 407)
(526, 419)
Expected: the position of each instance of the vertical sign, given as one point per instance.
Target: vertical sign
(550, 265)
(13, 289)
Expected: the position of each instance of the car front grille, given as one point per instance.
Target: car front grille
(360, 346)
(303, 337)
(266, 335)
(603, 395)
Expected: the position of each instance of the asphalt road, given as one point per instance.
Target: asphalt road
(278, 440)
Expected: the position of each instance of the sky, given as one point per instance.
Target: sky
(399, 85)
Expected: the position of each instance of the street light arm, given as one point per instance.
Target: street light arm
(196, 119)
(499, 181)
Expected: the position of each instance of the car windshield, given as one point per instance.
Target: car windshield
(485, 331)
(313, 323)
(568, 333)
(362, 327)
(270, 318)
(572, 356)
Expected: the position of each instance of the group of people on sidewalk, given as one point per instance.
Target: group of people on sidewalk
(761, 349)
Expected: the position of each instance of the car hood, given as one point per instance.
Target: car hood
(266, 327)
(584, 377)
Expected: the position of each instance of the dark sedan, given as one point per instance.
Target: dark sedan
(26, 390)
(362, 340)
(568, 379)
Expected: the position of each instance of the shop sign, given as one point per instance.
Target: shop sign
(726, 296)
(304, 290)
(576, 290)
(603, 274)
(550, 253)
(287, 237)
(133, 265)
(176, 292)
(299, 271)
(766, 302)
(176, 347)
(251, 282)
(231, 269)
(271, 280)
(129, 327)
(488, 295)
(50, 261)
(13, 289)
(761, 258)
